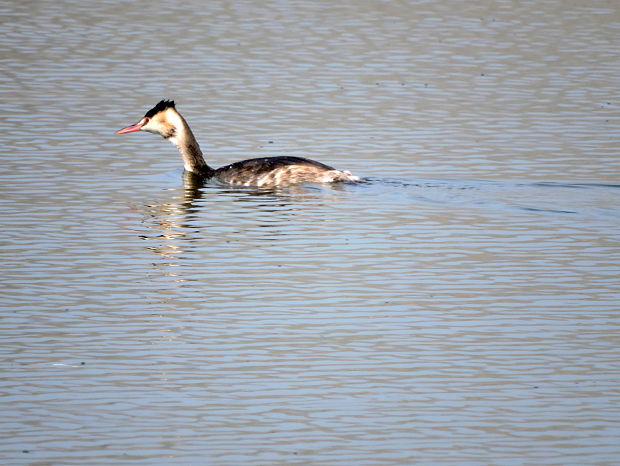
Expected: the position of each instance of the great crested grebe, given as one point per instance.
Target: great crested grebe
(163, 119)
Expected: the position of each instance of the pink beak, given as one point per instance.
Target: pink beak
(131, 129)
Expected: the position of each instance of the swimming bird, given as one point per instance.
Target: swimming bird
(165, 120)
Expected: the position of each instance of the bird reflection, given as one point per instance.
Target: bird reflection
(206, 216)
(170, 222)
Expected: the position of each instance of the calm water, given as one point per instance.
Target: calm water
(458, 306)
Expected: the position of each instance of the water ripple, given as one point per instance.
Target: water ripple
(458, 305)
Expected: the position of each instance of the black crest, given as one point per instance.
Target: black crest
(160, 107)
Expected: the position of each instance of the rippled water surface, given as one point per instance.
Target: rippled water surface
(459, 305)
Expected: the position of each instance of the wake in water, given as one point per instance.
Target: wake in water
(548, 197)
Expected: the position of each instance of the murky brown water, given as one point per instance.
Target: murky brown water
(459, 306)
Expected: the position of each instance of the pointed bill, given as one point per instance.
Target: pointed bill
(131, 129)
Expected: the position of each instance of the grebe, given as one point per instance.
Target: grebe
(163, 119)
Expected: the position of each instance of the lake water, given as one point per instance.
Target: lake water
(460, 305)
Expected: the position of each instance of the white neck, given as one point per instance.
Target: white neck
(184, 140)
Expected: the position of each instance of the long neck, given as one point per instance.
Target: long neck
(185, 141)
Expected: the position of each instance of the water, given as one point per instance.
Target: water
(458, 306)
